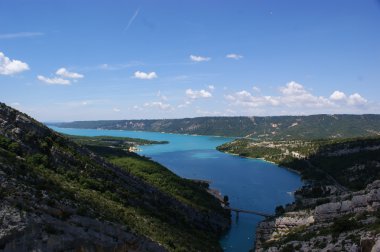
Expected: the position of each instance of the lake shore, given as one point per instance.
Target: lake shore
(247, 182)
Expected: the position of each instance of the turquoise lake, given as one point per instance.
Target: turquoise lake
(249, 183)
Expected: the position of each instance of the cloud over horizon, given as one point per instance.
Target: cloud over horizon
(354, 99)
(196, 94)
(294, 96)
(160, 105)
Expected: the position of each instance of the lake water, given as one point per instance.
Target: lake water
(249, 183)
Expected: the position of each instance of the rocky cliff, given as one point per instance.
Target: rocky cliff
(58, 196)
(347, 222)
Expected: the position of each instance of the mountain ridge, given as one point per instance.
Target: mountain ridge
(271, 127)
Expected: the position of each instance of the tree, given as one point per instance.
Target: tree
(279, 210)
(225, 200)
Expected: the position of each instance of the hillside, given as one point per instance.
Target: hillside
(105, 145)
(339, 207)
(269, 128)
(353, 163)
(57, 195)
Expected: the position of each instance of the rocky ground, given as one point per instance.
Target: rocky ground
(346, 222)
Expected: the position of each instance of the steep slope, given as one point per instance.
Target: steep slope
(339, 207)
(269, 127)
(57, 195)
(354, 163)
(349, 221)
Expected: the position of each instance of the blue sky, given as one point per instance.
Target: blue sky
(80, 60)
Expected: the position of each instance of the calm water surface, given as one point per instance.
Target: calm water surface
(249, 183)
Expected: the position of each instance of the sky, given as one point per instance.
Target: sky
(66, 60)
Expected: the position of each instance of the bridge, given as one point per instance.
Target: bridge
(237, 211)
(217, 195)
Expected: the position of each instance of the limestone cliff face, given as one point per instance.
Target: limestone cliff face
(349, 222)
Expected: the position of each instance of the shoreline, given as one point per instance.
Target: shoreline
(162, 132)
(215, 193)
(262, 159)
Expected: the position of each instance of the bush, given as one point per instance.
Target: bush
(279, 210)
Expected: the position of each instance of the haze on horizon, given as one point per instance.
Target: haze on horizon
(61, 61)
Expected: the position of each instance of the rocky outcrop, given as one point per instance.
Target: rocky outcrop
(349, 222)
(277, 227)
(22, 231)
(367, 200)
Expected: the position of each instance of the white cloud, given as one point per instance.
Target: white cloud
(66, 74)
(211, 87)
(59, 79)
(338, 96)
(356, 99)
(160, 105)
(293, 88)
(246, 99)
(145, 76)
(20, 35)
(196, 94)
(53, 81)
(294, 94)
(296, 98)
(116, 109)
(199, 58)
(352, 100)
(234, 56)
(10, 67)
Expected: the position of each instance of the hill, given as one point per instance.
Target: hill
(354, 163)
(269, 128)
(58, 195)
(339, 207)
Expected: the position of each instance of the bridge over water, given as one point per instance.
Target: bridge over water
(238, 210)
(217, 195)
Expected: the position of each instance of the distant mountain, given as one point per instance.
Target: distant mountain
(56, 195)
(270, 127)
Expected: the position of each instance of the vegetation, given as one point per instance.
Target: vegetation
(353, 163)
(263, 128)
(111, 141)
(115, 150)
(350, 223)
(109, 146)
(142, 195)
